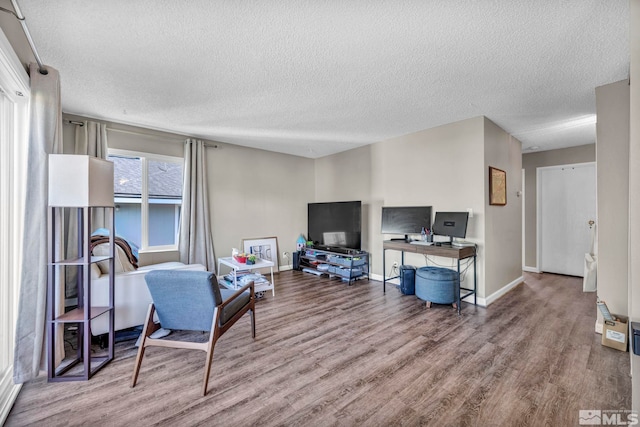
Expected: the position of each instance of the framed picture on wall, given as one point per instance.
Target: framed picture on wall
(264, 248)
(497, 187)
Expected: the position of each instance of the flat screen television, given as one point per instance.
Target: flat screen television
(405, 220)
(451, 224)
(335, 225)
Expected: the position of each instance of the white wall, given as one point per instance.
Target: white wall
(253, 193)
(411, 170)
(345, 177)
(440, 167)
(443, 167)
(125, 137)
(503, 224)
(256, 193)
(634, 190)
(612, 154)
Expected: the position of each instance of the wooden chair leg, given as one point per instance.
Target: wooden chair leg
(455, 305)
(214, 334)
(149, 328)
(428, 304)
(252, 313)
(253, 310)
(207, 367)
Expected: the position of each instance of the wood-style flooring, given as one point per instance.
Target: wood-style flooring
(331, 354)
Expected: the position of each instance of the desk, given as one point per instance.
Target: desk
(236, 266)
(446, 251)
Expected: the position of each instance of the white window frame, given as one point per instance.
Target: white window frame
(14, 122)
(144, 200)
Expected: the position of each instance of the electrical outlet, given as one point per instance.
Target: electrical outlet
(285, 254)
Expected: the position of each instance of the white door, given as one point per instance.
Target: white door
(566, 204)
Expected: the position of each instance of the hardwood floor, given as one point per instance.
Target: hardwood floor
(331, 354)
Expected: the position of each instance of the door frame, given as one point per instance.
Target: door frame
(539, 204)
(524, 219)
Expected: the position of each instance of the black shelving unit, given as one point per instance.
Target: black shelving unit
(349, 265)
(84, 363)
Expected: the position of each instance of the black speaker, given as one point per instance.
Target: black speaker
(296, 260)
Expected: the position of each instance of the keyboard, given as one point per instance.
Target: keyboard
(459, 244)
(420, 242)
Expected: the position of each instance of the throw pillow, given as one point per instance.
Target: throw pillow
(121, 262)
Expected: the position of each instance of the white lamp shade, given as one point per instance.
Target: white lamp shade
(79, 180)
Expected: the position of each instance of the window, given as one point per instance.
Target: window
(14, 105)
(148, 198)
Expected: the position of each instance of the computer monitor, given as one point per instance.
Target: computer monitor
(451, 224)
(405, 220)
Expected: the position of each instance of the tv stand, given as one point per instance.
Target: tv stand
(347, 264)
(336, 249)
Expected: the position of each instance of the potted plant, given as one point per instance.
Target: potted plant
(251, 259)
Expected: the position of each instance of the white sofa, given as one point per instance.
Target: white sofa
(131, 296)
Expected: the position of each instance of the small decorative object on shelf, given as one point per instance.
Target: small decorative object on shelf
(238, 256)
(251, 259)
(300, 243)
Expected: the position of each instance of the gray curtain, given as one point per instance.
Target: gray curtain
(195, 239)
(91, 139)
(45, 137)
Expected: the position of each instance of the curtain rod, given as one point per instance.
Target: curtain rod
(206, 144)
(18, 14)
(146, 135)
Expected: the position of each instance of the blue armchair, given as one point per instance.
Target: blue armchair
(192, 300)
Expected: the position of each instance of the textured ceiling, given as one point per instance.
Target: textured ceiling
(312, 78)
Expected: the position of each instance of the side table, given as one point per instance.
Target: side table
(235, 267)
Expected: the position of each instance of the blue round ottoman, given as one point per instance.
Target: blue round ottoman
(436, 284)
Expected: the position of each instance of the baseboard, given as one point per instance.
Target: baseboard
(482, 302)
(378, 277)
(598, 327)
(531, 269)
(284, 267)
(499, 293)
(8, 394)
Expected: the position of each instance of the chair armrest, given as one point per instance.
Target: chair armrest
(238, 293)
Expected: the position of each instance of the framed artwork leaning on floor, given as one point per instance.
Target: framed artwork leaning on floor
(264, 248)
